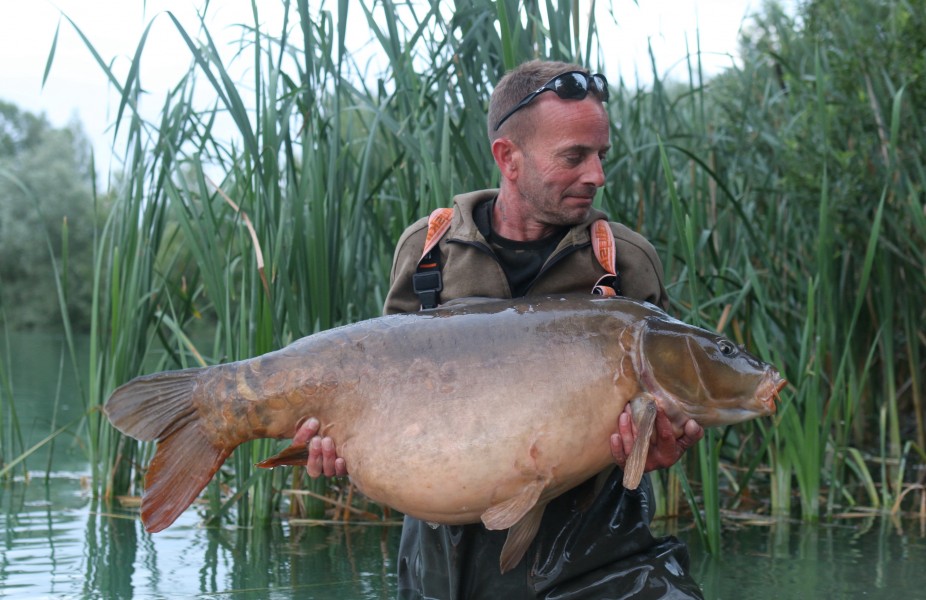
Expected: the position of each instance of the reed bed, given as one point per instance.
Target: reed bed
(785, 197)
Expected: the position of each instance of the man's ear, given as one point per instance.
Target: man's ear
(508, 157)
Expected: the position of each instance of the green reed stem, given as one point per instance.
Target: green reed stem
(784, 200)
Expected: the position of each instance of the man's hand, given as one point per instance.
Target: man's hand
(665, 449)
(323, 459)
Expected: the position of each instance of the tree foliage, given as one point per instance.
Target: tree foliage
(45, 194)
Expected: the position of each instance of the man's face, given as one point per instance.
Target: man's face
(561, 159)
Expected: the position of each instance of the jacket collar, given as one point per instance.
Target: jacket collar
(464, 227)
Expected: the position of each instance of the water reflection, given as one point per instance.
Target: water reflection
(874, 557)
(110, 552)
(58, 542)
(353, 561)
(46, 396)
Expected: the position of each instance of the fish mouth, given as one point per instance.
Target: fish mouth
(768, 391)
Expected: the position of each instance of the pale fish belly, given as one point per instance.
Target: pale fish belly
(448, 439)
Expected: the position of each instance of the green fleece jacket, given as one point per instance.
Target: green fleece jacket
(469, 266)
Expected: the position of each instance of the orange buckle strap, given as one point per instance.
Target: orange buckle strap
(606, 252)
(427, 282)
(438, 224)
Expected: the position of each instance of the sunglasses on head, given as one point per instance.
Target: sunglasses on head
(573, 85)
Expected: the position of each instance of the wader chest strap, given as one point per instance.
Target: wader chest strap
(427, 282)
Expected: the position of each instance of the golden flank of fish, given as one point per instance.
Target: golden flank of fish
(476, 411)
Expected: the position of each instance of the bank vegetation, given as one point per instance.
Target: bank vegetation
(784, 195)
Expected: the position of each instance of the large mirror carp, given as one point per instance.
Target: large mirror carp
(480, 410)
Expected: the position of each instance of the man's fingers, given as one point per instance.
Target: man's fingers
(306, 431)
(323, 459)
(664, 432)
(314, 465)
(328, 457)
(691, 434)
(617, 450)
(665, 449)
(622, 439)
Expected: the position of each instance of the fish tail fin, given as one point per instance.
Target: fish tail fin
(151, 407)
(160, 407)
(183, 465)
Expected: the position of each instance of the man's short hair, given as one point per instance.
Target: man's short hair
(513, 87)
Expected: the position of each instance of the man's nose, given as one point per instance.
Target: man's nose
(594, 172)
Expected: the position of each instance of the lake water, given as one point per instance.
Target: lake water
(57, 542)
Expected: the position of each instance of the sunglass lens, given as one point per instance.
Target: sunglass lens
(601, 87)
(571, 86)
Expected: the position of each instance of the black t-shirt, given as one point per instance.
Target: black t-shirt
(521, 261)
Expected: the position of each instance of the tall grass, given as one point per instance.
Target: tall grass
(787, 204)
(787, 212)
(289, 227)
(11, 440)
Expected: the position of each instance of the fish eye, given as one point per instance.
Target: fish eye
(727, 348)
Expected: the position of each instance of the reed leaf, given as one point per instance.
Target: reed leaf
(784, 197)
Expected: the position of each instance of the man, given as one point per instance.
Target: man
(531, 236)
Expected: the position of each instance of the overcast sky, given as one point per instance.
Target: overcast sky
(77, 88)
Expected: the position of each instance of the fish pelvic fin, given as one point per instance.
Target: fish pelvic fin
(160, 407)
(519, 539)
(296, 455)
(521, 515)
(505, 514)
(643, 409)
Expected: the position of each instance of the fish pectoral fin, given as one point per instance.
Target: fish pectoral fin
(506, 514)
(519, 538)
(643, 408)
